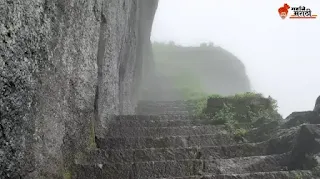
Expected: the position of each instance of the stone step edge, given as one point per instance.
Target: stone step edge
(142, 102)
(184, 160)
(175, 127)
(188, 122)
(303, 172)
(121, 132)
(148, 137)
(191, 147)
(135, 116)
(157, 120)
(193, 119)
(178, 108)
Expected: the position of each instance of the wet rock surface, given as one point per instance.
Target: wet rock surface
(64, 64)
(169, 151)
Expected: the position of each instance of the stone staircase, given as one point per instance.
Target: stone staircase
(156, 144)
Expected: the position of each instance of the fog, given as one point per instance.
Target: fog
(281, 56)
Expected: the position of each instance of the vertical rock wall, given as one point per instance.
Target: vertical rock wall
(147, 64)
(65, 64)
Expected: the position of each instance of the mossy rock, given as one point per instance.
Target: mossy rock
(67, 174)
(244, 106)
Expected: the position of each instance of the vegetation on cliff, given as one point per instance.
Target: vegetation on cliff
(239, 113)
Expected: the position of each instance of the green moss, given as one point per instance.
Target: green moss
(298, 176)
(199, 105)
(67, 174)
(240, 132)
(224, 115)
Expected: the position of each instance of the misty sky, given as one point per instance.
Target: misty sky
(282, 57)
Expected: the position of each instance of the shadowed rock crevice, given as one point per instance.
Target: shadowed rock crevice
(100, 56)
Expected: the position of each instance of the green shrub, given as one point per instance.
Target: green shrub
(239, 133)
(248, 107)
(224, 115)
(298, 176)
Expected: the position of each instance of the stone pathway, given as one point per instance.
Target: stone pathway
(172, 146)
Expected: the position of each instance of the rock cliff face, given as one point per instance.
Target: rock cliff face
(64, 66)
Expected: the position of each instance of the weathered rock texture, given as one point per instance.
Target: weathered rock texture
(63, 66)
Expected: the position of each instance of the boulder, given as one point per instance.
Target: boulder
(262, 132)
(307, 144)
(297, 118)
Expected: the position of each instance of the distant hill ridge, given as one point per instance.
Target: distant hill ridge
(213, 69)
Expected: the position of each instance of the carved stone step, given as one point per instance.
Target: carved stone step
(165, 142)
(163, 111)
(295, 174)
(176, 168)
(151, 121)
(116, 131)
(160, 154)
(152, 117)
(249, 164)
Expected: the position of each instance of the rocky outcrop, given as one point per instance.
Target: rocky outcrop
(317, 105)
(307, 145)
(65, 66)
(298, 118)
